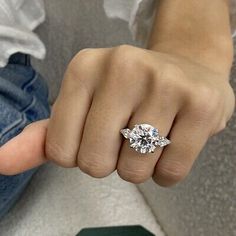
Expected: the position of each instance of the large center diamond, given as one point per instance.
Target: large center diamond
(143, 138)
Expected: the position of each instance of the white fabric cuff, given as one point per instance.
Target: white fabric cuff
(139, 14)
(18, 19)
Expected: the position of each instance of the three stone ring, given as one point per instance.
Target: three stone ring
(144, 138)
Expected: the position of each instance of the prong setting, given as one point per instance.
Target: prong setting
(144, 138)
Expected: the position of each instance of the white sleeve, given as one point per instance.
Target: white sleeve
(17, 20)
(138, 13)
(233, 16)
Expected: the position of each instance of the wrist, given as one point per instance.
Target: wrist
(218, 54)
(188, 28)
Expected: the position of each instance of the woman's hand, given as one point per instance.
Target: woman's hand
(179, 86)
(105, 90)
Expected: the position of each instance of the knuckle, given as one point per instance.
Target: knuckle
(84, 56)
(128, 58)
(84, 52)
(136, 176)
(169, 173)
(73, 81)
(172, 71)
(125, 50)
(57, 154)
(205, 103)
(171, 80)
(94, 168)
(81, 63)
(221, 126)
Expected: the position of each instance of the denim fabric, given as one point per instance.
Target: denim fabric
(23, 100)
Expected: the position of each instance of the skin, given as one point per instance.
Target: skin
(179, 84)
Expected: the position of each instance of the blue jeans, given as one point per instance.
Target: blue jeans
(23, 100)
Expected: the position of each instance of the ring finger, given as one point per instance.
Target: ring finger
(134, 166)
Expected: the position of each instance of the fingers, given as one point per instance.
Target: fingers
(113, 103)
(72, 105)
(66, 126)
(101, 141)
(110, 88)
(136, 167)
(25, 151)
(187, 139)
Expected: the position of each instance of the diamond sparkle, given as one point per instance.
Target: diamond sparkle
(144, 138)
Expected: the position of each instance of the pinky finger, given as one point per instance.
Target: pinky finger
(187, 140)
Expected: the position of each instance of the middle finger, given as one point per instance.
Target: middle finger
(101, 139)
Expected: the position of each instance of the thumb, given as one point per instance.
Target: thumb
(25, 151)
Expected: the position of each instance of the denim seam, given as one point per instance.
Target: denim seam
(12, 126)
(33, 101)
(21, 121)
(29, 82)
(24, 88)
